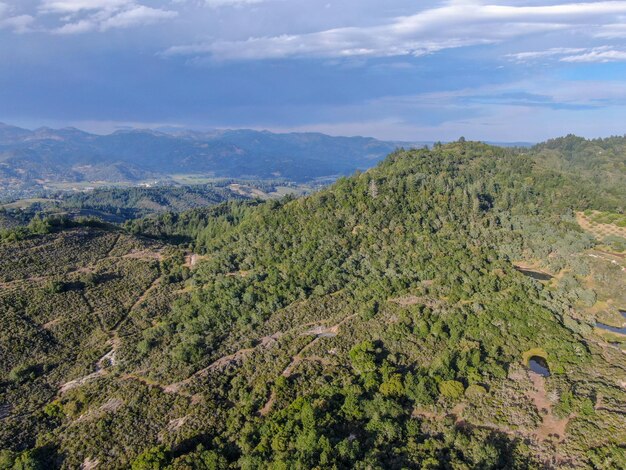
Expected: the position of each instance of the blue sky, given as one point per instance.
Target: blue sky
(406, 70)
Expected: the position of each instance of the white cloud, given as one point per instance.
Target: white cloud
(74, 6)
(455, 24)
(597, 56)
(139, 15)
(567, 54)
(81, 26)
(552, 52)
(613, 31)
(226, 3)
(16, 23)
(81, 16)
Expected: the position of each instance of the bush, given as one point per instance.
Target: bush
(22, 373)
(451, 389)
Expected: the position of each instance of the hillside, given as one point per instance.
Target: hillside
(46, 157)
(448, 308)
(118, 205)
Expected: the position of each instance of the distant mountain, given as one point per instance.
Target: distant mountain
(53, 155)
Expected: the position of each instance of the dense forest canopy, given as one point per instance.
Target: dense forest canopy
(388, 321)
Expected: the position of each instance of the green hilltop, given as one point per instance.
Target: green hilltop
(388, 321)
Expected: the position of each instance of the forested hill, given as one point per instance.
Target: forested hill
(442, 310)
(597, 161)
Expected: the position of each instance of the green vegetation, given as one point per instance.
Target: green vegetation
(380, 323)
(608, 218)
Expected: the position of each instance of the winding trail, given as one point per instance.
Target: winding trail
(101, 366)
(319, 332)
(108, 254)
(223, 362)
(114, 340)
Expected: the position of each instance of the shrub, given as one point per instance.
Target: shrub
(451, 389)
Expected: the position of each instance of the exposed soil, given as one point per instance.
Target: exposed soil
(551, 426)
(223, 362)
(51, 323)
(319, 332)
(193, 259)
(144, 255)
(597, 229)
(89, 464)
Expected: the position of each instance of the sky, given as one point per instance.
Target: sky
(523, 70)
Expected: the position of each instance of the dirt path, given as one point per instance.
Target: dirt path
(297, 359)
(152, 383)
(319, 332)
(223, 362)
(109, 358)
(551, 425)
(101, 366)
(142, 298)
(51, 323)
(606, 258)
(117, 239)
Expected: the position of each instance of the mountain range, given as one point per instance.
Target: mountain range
(71, 155)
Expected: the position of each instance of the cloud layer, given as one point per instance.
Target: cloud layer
(81, 16)
(428, 70)
(16, 23)
(455, 24)
(601, 54)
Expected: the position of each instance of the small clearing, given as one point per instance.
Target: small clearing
(322, 331)
(551, 425)
(193, 259)
(175, 424)
(599, 230)
(89, 464)
(408, 300)
(144, 255)
(243, 274)
(112, 405)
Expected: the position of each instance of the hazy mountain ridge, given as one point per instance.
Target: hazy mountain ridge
(73, 155)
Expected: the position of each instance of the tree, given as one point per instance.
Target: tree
(151, 459)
